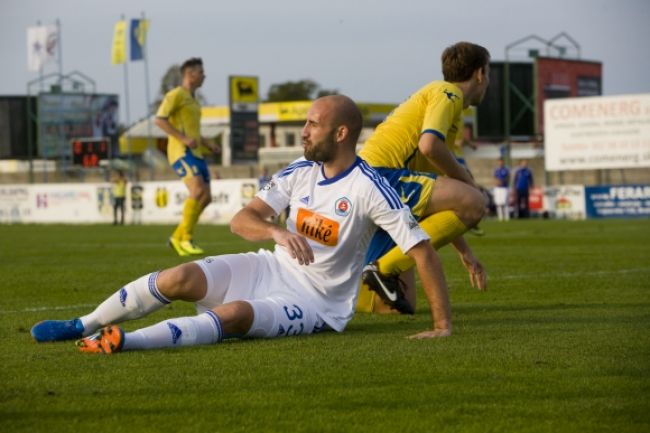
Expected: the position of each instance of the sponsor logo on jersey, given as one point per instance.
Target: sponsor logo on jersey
(450, 95)
(343, 206)
(305, 199)
(317, 227)
(404, 196)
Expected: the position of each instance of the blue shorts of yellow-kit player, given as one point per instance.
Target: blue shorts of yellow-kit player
(415, 189)
(189, 165)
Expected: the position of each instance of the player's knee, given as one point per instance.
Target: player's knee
(474, 208)
(206, 198)
(236, 318)
(479, 207)
(184, 282)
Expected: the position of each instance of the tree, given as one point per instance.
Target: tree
(170, 80)
(297, 91)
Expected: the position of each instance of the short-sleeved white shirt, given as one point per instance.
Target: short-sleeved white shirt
(338, 217)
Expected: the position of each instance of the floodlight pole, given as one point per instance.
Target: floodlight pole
(561, 50)
(507, 84)
(59, 48)
(506, 94)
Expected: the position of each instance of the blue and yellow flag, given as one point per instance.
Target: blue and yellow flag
(119, 43)
(138, 35)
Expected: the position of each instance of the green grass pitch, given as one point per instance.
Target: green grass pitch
(559, 343)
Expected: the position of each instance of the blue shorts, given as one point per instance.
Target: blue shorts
(189, 165)
(414, 189)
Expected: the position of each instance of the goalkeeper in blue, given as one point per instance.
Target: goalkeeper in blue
(306, 285)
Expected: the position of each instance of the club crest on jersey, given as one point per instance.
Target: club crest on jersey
(343, 206)
(317, 227)
(270, 184)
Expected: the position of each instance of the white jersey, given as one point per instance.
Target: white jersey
(338, 217)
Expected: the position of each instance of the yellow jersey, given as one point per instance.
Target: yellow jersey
(420, 163)
(183, 111)
(119, 188)
(436, 109)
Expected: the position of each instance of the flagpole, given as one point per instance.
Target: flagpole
(127, 110)
(145, 56)
(59, 52)
(40, 67)
(59, 47)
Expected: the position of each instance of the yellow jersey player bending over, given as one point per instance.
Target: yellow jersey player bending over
(409, 149)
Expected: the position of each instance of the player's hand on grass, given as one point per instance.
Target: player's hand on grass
(296, 246)
(477, 274)
(435, 333)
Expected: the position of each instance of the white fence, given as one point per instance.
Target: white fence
(162, 202)
(146, 202)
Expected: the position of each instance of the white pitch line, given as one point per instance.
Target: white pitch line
(493, 279)
(576, 274)
(37, 309)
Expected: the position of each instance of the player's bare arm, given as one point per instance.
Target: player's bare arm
(435, 288)
(169, 129)
(251, 223)
(436, 151)
(477, 273)
(214, 147)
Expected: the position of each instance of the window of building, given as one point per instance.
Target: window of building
(290, 139)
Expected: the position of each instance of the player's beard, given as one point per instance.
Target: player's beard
(322, 151)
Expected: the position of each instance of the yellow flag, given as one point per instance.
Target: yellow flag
(119, 43)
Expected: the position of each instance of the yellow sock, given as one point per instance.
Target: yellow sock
(191, 213)
(366, 299)
(442, 227)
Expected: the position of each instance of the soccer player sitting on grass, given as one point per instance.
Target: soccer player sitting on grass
(308, 284)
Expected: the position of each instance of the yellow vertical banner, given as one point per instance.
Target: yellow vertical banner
(119, 43)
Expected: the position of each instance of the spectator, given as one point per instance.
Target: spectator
(501, 193)
(523, 183)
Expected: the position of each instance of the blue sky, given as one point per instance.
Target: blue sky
(371, 50)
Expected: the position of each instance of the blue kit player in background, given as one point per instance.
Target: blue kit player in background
(523, 183)
(501, 191)
(308, 284)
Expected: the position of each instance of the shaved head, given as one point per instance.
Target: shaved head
(342, 111)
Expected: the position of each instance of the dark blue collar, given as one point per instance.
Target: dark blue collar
(341, 175)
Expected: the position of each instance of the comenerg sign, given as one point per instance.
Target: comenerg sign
(597, 133)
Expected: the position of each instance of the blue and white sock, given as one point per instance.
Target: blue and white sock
(182, 331)
(135, 300)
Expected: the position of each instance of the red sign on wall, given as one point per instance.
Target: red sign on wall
(565, 78)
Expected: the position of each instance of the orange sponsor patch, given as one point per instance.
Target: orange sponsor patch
(317, 227)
